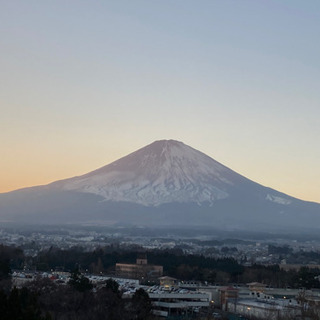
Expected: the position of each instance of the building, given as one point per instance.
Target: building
(168, 282)
(141, 270)
(226, 294)
(178, 302)
(272, 309)
(257, 287)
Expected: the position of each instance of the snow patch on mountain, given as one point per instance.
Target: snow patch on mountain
(278, 200)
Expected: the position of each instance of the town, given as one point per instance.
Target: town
(184, 277)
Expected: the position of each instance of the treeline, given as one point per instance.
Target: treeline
(10, 258)
(175, 263)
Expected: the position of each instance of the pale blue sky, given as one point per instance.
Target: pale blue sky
(83, 83)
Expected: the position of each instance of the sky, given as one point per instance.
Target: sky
(83, 83)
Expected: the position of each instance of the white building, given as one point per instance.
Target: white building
(264, 309)
(178, 302)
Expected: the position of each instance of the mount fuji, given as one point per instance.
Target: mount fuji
(166, 183)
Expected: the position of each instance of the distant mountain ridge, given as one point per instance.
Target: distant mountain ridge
(166, 182)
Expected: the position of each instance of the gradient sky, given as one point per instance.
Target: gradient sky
(83, 83)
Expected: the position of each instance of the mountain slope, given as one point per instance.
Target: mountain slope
(164, 183)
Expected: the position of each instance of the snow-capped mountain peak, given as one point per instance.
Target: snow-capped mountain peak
(162, 172)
